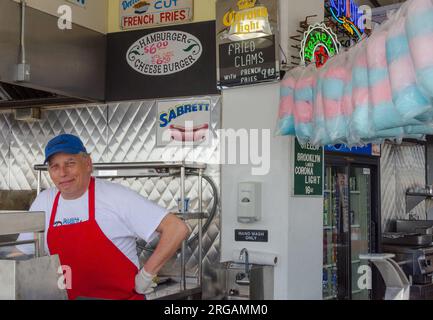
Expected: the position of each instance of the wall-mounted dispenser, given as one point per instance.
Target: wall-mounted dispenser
(249, 202)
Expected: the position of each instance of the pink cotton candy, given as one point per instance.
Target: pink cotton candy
(397, 28)
(422, 51)
(361, 61)
(336, 72)
(303, 112)
(381, 92)
(288, 82)
(402, 73)
(419, 6)
(376, 50)
(304, 83)
(332, 109)
(286, 106)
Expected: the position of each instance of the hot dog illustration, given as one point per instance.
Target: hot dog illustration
(181, 133)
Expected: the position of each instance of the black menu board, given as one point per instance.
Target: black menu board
(247, 62)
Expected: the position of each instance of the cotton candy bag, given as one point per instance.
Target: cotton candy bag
(320, 136)
(407, 96)
(335, 80)
(419, 28)
(361, 127)
(304, 104)
(286, 117)
(384, 113)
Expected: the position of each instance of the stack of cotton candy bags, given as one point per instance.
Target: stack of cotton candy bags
(382, 88)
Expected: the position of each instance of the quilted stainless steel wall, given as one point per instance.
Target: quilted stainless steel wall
(124, 132)
(402, 167)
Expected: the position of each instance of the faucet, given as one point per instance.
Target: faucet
(243, 278)
(244, 251)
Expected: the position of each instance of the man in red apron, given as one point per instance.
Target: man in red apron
(97, 258)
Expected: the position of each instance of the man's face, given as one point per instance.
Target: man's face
(70, 173)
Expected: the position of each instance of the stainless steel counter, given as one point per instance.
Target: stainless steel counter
(171, 290)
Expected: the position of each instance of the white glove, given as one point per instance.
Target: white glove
(144, 282)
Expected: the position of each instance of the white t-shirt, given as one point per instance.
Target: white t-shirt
(122, 214)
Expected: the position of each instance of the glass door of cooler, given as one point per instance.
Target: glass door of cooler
(335, 233)
(360, 221)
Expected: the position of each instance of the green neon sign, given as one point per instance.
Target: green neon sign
(317, 36)
(316, 39)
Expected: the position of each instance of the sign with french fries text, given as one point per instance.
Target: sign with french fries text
(136, 14)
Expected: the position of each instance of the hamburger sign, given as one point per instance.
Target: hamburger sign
(147, 13)
(164, 52)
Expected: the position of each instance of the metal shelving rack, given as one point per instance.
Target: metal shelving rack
(161, 170)
(13, 222)
(415, 198)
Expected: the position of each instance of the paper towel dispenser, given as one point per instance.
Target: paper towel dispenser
(249, 202)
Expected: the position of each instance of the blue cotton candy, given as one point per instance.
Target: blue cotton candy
(348, 88)
(337, 128)
(286, 91)
(320, 134)
(377, 75)
(410, 102)
(333, 89)
(305, 94)
(385, 116)
(304, 131)
(360, 124)
(414, 136)
(419, 129)
(426, 116)
(396, 48)
(425, 78)
(360, 77)
(286, 126)
(419, 24)
(390, 133)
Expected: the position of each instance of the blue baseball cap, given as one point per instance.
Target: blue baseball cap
(64, 143)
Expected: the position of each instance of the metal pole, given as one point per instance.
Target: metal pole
(39, 182)
(182, 205)
(200, 227)
(39, 244)
(39, 237)
(16, 243)
(23, 26)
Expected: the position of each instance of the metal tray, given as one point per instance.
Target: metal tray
(407, 239)
(414, 226)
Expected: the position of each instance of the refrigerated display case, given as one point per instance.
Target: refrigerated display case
(350, 228)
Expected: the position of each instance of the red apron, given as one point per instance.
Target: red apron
(98, 268)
